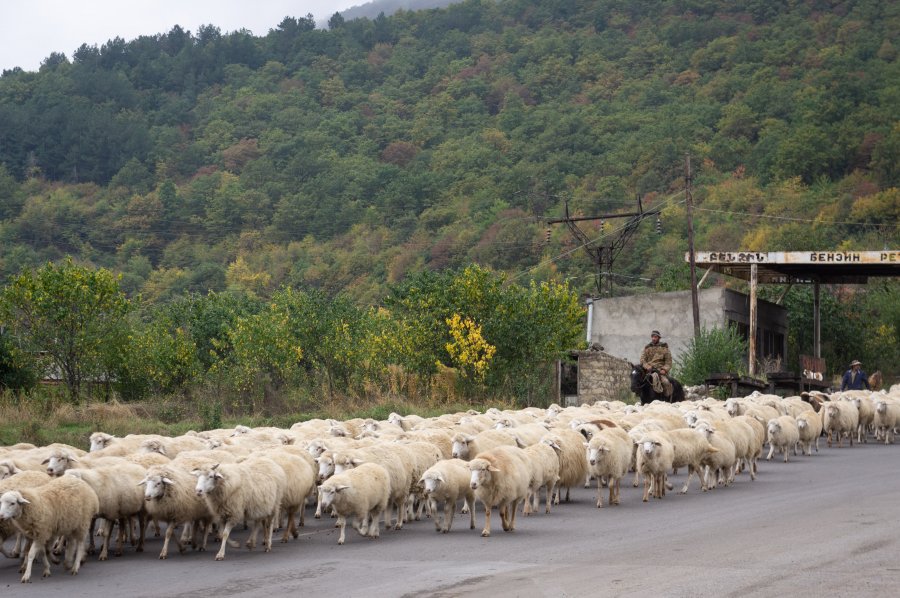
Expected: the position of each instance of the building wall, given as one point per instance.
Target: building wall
(622, 325)
(602, 377)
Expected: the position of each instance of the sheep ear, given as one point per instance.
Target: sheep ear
(215, 467)
(439, 477)
(143, 482)
(45, 461)
(167, 481)
(341, 488)
(468, 438)
(492, 468)
(196, 472)
(23, 501)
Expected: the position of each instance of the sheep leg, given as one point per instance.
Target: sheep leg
(449, 511)
(79, 550)
(142, 530)
(511, 515)
(615, 482)
(527, 508)
(551, 488)
(220, 556)
(342, 523)
(374, 516)
(170, 529)
(251, 541)
(470, 505)
(29, 561)
(105, 530)
(646, 496)
(269, 530)
(687, 482)
(486, 532)
(600, 493)
(290, 528)
(505, 516)
(318, 514)
(436, 512)
(126, 532)
(771, 451)
(400, 507)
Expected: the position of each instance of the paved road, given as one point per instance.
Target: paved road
(822, 525)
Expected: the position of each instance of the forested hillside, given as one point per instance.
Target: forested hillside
(344, 159)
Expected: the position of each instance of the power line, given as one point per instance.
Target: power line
(805, 220)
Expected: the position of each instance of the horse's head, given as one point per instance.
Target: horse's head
(637, 378)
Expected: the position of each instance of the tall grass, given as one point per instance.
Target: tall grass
(715, 350)
(46, 414)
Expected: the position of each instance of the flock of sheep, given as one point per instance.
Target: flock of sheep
(53, 498)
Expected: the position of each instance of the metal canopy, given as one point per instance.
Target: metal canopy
(802, 267)
(798, 267)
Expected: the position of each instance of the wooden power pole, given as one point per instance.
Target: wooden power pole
(695, 301)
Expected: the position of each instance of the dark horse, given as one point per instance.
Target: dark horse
(641, 386)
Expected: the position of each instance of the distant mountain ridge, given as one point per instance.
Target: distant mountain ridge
(370, 10)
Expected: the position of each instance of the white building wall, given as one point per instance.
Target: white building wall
(622, 325)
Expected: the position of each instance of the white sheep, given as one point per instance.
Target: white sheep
(783, 435)
(109, 445)
(573, 465)
(27, 479)
(840, 418)
(500, 478)
(63, 507)
(400, 467)
(609, 455)
(465, 446)
(300, 481)
(170, 447)
(690, 447)
(886, 418)
(809, 427)
(170, 497)
(362, 493)
(722, 462)
(120, 499)
(406, 422)
(654, 460)
(544, 474)
(444, 483)
(247, 492)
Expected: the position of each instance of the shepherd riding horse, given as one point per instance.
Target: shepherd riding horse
(642, 386)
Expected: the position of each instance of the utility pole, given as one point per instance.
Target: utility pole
(695, 302)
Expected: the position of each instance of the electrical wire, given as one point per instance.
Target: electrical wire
(792, 219)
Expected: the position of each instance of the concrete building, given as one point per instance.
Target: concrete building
(622, 325)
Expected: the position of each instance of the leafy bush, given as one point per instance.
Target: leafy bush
(715, 350)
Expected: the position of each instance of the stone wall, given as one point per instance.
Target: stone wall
(602, 377)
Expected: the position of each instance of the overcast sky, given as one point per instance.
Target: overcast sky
(31, 29)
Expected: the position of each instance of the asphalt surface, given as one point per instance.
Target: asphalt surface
(824, 525)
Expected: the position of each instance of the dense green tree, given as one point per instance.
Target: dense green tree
(70, 318)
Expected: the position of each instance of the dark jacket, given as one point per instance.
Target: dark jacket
(860, 381)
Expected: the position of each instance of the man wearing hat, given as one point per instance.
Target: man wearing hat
(855, 378)
(657, 359)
